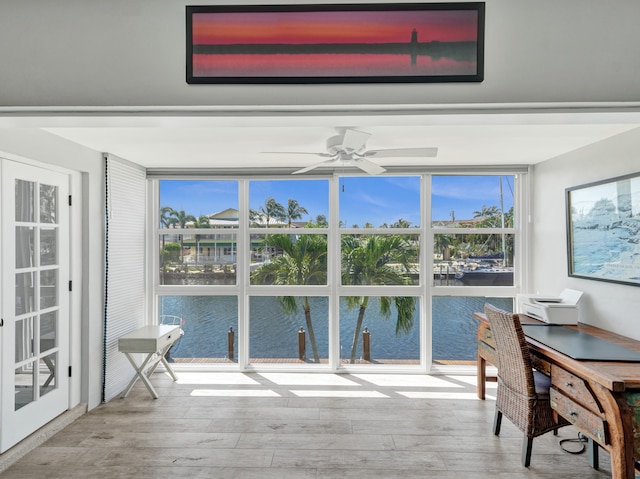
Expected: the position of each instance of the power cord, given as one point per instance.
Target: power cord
(581, 439)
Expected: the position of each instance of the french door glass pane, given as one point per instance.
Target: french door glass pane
(288, 329)
(25, 201)
(48, 331)
(380, 330)
(48, 204)
(24, 381)
(24, 335)
(48, 288)
(25, 293)
(47, 373)
(25, 247)
(48, 246)
(210, 325)
(454, 329)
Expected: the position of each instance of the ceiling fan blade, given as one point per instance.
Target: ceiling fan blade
(323, 155)
(315, 165)
(368, 166)
(354, 140)
(402, 152)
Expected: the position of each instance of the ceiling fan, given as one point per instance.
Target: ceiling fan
(348, 148)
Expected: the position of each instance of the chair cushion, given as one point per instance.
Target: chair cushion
(542, 383)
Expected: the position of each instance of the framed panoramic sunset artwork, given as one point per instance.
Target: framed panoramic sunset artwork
(336, 43)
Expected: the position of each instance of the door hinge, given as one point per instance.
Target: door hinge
(69, 200)
(69, 371)
(70, 285)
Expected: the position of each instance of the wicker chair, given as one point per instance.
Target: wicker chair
(523, 393)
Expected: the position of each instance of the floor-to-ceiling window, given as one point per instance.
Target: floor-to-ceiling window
(330, 272)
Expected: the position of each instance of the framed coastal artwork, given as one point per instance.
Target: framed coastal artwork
(603, 230)
(335, 43)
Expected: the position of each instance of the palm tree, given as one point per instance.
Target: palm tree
(272, 210)
(166, 221)
(369, 262)
(304, 262)
(181, 219)
(294, 211)
(201, 222)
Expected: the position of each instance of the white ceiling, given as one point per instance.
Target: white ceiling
(197, 140)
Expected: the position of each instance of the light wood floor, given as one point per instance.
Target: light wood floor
(281, 425)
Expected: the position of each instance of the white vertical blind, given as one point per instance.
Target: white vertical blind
(125, 267)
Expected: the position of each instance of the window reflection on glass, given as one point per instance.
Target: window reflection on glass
(198, 259)
(25, 246)
(380, 330)
(380, 202)
(48, 204)
(472, 201)
(48, 288)
(473, 259)
(47, 373)
(25, 293)
(281, 259)
(454, 330)
(24, 381)
(380, 259)
(288, 203)
(288, 329)
(25, 201)
(48, 246)
(209, 323)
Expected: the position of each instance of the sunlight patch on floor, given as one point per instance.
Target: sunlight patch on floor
(297, 379)
(437, 395)
(339, 394)
(234, 393)
(215, 378)
(409, 380)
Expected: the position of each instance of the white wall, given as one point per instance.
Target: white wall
(607, 305)
(132, 53)
(39, 146)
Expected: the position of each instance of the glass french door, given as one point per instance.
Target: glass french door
(35, 299)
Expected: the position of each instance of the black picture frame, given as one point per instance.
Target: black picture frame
(603, 230)
(335, 43)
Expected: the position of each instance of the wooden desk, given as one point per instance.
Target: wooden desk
(155, 341)
(600, 398)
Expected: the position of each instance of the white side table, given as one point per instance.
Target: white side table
(155, 341)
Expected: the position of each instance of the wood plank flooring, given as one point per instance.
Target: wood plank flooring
(309, 426)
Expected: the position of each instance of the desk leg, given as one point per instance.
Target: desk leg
(482, 377)
(164, 361)
(140, 374)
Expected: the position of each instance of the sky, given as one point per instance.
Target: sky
(333, 27)
(370, 199)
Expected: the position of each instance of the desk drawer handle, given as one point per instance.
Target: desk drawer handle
(573, 413)
(569, 384)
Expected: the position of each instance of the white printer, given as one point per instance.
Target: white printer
(561, 309)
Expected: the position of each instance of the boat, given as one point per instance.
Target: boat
(491, 276)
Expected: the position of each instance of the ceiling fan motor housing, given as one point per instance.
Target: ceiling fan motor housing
(335, 145)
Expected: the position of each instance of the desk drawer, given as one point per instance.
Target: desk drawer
(574, 387)
(168, 339)
(584, 420)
